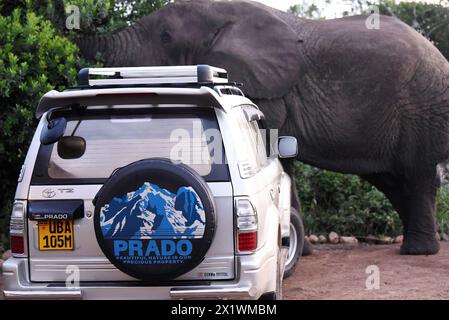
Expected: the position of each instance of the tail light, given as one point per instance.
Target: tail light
(246, 226)
(17, 228)
(247, 241)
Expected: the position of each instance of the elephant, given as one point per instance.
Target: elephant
(367, 101)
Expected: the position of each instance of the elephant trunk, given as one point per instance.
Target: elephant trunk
(118, 49)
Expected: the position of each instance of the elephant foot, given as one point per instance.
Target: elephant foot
(420, 246)
(307, 249)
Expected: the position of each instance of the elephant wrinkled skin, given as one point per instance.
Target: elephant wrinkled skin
(372, 102)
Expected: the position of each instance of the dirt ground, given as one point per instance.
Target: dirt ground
(335, 272)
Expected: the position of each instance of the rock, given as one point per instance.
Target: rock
(313, 239)
(6, 255)
(333, 237)
(399, 239)
(386, 240)
(371, 239)
(322, 238)
(348, 240)
(444, 237)
(437, 236)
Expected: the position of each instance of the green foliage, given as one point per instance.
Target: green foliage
(33, 60)
(306, 9)
(127, 12)
(95, 16)
(443, 209)
(343, 203)
(36, 55)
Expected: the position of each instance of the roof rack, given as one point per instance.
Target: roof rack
(200, 74)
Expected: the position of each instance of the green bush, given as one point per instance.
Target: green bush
(343, 203)
(443, 209)
(36, 55)
(96, 16)
(33, 60)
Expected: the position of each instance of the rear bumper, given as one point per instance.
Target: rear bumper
(43, 294)
(253, 281)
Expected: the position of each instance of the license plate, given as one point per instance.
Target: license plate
(56, 235)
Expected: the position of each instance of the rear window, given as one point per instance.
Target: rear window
(116, 139)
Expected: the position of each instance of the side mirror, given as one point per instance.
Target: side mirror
(53, 131)
(71, 147)
(287, 147)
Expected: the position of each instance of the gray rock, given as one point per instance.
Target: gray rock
(371, 239)
(399, 239)
(333, 237)
(437, 236)
(444, 237)
(386, 240)
(348, 240)
(313, 239)
(322, 238)
(6, 255)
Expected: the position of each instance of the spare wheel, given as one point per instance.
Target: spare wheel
(154, 219)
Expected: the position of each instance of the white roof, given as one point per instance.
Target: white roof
(203, 96)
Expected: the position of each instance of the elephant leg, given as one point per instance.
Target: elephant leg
(392, 188)
(288, 165)
(414, 200)
(419, 201)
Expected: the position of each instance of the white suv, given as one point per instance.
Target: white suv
(152, 183)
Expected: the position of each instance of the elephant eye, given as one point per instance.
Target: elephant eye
(165, 37)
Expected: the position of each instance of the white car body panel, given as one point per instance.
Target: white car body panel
(240, 276)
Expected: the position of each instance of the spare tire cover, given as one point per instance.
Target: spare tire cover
(154, 219)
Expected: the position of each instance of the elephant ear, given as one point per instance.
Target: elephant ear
(259, 50)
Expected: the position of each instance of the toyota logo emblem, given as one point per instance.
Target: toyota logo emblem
(48, 193)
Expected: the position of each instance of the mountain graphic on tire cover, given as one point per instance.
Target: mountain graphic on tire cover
(152, 212)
